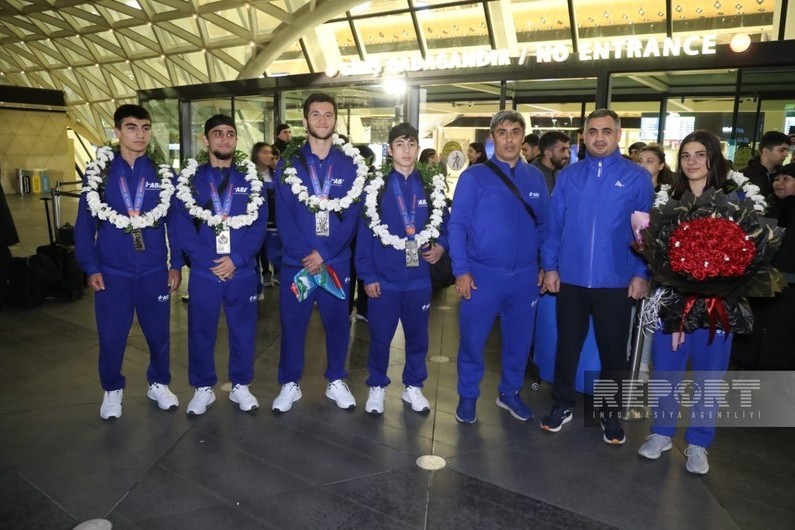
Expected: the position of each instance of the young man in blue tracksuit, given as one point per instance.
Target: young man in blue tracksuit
(494, 238)
(223, 268)
(128, 271)
(397, 280)
(310, 240)
(588, 260)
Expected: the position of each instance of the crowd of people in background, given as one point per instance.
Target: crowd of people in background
(308, 217)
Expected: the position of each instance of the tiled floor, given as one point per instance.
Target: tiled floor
(321, 467)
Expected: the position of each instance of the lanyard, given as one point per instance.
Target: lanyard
(224, 209)
(324, 190)
(408, 218)
(133, 210)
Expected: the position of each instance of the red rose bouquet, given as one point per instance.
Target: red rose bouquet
(708, 253)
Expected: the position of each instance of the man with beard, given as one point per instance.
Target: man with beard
(223, 263)
(530, 148)
(313, 237)
(555, 155)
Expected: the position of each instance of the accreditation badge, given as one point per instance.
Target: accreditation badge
(322, 225)
(138, 239)
(412, 253)
(223, 241)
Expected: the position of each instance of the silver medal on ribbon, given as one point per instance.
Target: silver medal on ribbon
(412, 253)
(223, 241)
(322, 227)
(138, 240)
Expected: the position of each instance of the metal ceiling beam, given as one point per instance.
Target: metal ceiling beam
(650, 82)
(286, 34)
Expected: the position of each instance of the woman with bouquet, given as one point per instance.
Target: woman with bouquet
(704, 246)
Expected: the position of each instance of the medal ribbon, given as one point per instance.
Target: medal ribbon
(408, 218)
(133, 210)
(324, 190)
(221, 209)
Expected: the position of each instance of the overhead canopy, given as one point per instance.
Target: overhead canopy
(101, 52)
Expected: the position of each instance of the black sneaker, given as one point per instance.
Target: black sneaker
(559, 415)
(613, 432)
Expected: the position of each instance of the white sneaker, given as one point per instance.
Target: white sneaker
(260, 297)
(654, 446)
(111, 404)
(241, 395)
(165, 398)
(203, 398)
(375, 401)
(696, 459)
(341, 394)
(289, 394)
(413, 396)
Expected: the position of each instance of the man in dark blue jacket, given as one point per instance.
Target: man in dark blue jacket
(588, 260)
(221, 227)
(127, 267)
(314, 236)
(392, 258)
(495, 232)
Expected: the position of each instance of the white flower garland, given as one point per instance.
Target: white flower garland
(744, 184)
(662, 196)
(381, 231)
(95, 180)
(217, 221)
(751, 191)
(315, 203)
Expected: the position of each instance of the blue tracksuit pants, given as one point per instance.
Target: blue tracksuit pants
(147, 297)
(513, 296)
(707, 361)
(411, 308)
(295, 317)
(238, 297)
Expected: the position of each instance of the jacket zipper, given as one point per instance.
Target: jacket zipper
(593, 230)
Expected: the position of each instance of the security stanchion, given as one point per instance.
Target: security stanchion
(631, 391)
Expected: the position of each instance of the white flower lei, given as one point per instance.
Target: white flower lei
(95, 179)
(217, 221)
(431, 230)
(751, 191)
(744, 184)
(662, 196)
(315, 203)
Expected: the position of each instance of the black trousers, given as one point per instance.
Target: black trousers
(611, 310)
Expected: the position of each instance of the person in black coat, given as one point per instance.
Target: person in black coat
(8, 237)
(771, 345)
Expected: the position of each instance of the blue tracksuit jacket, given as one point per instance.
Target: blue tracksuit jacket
(588, 235)
(200, 244)
(297, 223)
(489, 227)
(386, 265)
(101, 246)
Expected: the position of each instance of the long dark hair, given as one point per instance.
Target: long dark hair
(481, 150)
(717, 168)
